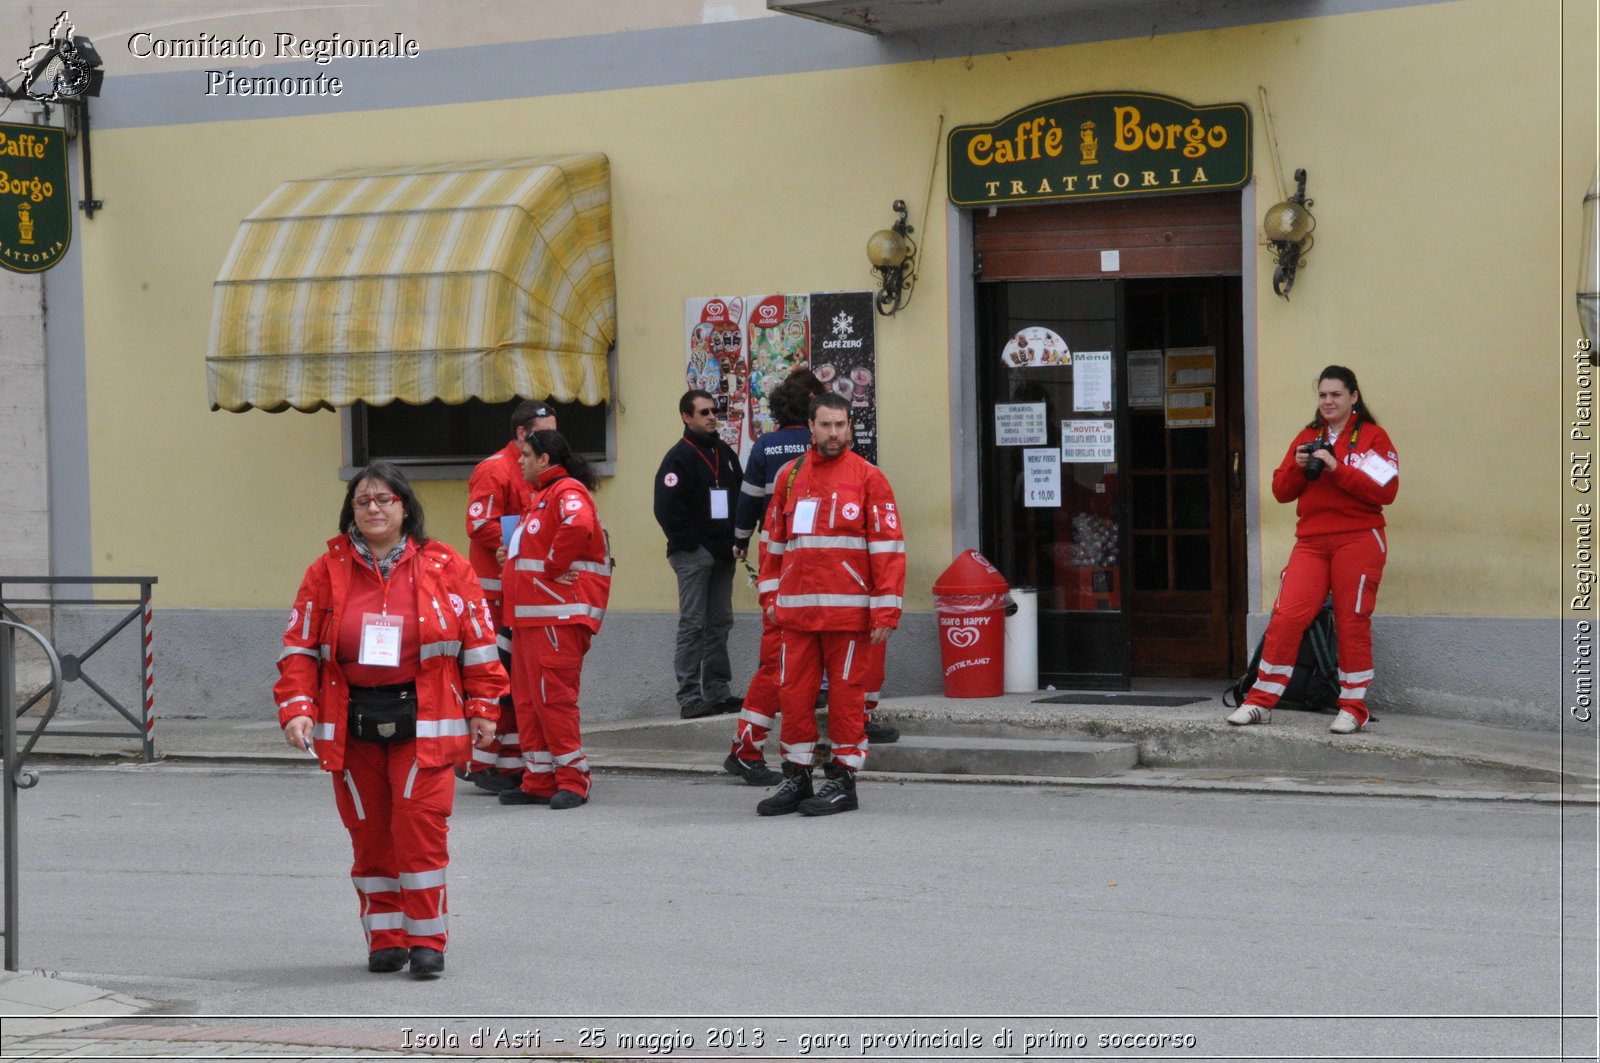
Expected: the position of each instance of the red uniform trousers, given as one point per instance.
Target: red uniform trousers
(1350, 564)
(396, 812)
(846, 657)
(547, 664)
(505, 754)
(761, 703)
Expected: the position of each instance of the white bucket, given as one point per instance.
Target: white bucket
(1022, 641)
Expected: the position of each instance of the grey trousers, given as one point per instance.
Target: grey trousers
(705, 616)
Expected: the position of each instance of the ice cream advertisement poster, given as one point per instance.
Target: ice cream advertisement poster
(740, 348)
(718, 362)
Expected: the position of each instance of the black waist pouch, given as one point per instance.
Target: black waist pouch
(384, 715)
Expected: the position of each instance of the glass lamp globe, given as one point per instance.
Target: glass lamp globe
(887, 249)
(1287, 221)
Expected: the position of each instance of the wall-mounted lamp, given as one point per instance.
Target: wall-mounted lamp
(1288, 226)
(893, 255)
(1589, 271)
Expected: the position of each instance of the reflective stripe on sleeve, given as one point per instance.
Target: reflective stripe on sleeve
(488, 583)
(529, 564)
(294, 700)
(887, 546)
(479, 655)
(887, 601)
(766, 586)
(753, 490)
(290, 651)
(439, 649)
(441, 728)
(599, 568)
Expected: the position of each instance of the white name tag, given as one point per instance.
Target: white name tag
(380, 639)
(719, 504)
(1381, 469)
(805, 517)
(513, 543)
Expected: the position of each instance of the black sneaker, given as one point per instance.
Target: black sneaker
(426, 962)
(493, 781)
(881, 734)
(386, 961)
(731, 703)
(696, 710)
(519, 796)
(565, 799)
(754, 772)
(786, 799)
(838, 794)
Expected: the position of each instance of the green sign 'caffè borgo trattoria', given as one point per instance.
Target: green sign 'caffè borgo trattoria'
(1097, 145)
(35, 202)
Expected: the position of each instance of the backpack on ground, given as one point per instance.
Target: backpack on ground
(1314, 686)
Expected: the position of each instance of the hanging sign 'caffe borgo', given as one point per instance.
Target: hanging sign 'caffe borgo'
(1100, 145)
(35, 203)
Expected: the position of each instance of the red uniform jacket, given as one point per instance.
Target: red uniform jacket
(496, 489)
(1350, 497)
(559, 534)
(460, 672)
(848, 572)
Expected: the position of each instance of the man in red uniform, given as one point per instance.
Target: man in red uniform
(832, 578)
(497, 490)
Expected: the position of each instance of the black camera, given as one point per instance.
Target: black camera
(1314, 465)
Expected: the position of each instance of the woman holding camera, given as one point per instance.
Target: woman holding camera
(1342, 469)
(388, 665)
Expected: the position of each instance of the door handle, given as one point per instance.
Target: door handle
(1236, 472)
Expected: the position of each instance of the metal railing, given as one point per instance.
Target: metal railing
(71, 664)
(16, 778)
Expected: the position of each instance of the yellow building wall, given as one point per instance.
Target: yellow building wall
(1432, 277)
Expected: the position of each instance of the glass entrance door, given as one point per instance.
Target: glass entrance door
(1066, 538)
(1114, 480)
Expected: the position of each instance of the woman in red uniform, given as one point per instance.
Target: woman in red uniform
(1343, 470)
(557, 581)
(389, 663)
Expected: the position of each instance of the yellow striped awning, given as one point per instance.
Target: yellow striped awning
(488, 280)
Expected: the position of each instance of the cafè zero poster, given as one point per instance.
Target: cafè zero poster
(831, 333)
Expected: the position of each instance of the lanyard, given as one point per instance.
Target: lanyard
(1352, 438)
(716, 474)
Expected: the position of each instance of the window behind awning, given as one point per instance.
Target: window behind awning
(488, 280)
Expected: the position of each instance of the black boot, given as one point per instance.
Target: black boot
(786, 799)
(426, 962)
(838, 794)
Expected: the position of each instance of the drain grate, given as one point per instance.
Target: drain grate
(1164, 700)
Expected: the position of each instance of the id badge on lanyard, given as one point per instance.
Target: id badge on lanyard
(805, 516)
(380, 639)
(719, 503)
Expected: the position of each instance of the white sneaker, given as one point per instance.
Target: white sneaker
(1345, 723)
(1248, 714)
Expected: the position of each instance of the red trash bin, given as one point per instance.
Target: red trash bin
(970, 598)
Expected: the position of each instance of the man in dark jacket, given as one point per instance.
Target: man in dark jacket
(695, 490)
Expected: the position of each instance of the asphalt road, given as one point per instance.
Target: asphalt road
(224, 891)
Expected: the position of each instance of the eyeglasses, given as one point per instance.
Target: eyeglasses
(707, 412)
(384, 501)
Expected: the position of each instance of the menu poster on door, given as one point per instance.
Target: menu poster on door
(717, 361)
(1041, 478)
(1019, 424)
(844, 356)
(1086, 439)
(1191, 407)
(1091, 382)
(1146, 380)
(1189, 367)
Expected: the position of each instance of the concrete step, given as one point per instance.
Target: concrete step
(1072, 758)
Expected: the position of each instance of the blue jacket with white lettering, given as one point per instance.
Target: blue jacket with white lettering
(770, 453)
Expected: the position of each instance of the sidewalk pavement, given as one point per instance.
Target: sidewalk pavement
(1100, 739)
